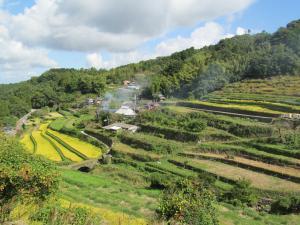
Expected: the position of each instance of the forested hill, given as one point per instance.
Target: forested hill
(189, 73)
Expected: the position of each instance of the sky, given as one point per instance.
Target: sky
(36, 35)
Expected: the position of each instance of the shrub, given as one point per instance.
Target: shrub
(54, 214)
(286, 205)
(241, 194)
(188, 202)
(159, 181)
(23, 176)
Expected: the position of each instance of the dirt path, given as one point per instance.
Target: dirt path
(22, 121)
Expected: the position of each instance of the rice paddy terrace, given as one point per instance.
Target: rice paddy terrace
(262, 98)
(56, 146)
(230, 148)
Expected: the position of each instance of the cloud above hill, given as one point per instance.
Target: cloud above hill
(111, 25)
(202, 36)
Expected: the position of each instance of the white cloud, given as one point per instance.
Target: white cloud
(112, 25)
(210, 33)
(241, 31)
(18, 60)
(118, 27)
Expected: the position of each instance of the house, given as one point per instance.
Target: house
(126, 111)
(89, 101)
(121, 126)
(292, 116)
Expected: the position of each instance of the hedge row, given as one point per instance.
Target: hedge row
(170, 133)
(136, 165)
(34, 143)
(102, 136)
(70, 148)
(135, 156)
(277, 151)
(166, 170)
(247, 153)
(149, 143)
(245, 166)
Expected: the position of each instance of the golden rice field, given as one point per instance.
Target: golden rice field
(68, 154)
(26, 141)
(44, 147)
(254, 108)
(87, 149)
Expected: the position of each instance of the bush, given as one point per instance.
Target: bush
(286, 205)
(149, 143)
(170, 133)
(54, 214)
(23, 176)
(241, 194)
(188, 202)
(159, 181)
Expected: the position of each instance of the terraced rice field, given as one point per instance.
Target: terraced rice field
(70, 155)
(26, 141)
(280, 169)
(120, 147)
(87, 149)
(44, 147)
(258, 180)
(232, 105)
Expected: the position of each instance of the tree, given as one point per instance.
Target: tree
(188, 202)
(23, 176)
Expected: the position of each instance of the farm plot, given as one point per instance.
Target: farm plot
(66, 152)
(246, 151)
(27, 142)
(138, 154)
(261, 181)
(278, 169)
(44, 147)
(84, 148)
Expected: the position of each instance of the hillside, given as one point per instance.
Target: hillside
(190, 73)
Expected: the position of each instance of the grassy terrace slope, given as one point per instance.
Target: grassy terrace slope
(277, 93)
(107, 190)
(258, 180)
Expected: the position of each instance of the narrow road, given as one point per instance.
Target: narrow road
(22, 121)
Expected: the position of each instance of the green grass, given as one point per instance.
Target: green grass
(229, 215)
(103, 190)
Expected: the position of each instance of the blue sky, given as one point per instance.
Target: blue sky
(38, 35)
